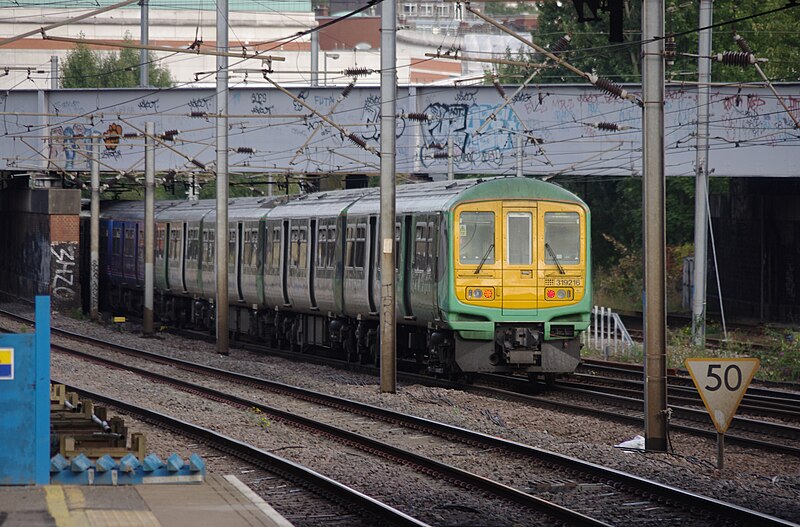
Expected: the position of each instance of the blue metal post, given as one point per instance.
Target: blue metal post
(42, 391)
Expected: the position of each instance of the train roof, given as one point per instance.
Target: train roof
(410, 198)
(322, 204)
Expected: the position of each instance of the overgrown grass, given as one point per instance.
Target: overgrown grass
(778, 350)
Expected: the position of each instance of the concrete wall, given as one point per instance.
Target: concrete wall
(40, 240)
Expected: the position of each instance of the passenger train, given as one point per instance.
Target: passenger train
(493, 275)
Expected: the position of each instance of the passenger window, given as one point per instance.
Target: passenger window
(322, 247)
(116, 240)
(420, 247)
(350, 243)
(302, 246)
(562, 236)
(247, 250)
(128, 247)
(518, 226)
(275, 248)
(476, 237)
(361, 244)
(294, 256)
(331, 246)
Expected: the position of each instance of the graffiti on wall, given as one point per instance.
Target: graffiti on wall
(558, 122)
(64, 270)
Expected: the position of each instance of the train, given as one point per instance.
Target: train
(492, 274)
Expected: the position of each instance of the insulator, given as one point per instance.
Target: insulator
(560, 45)
(499, 89)
(440, 155)
(743, 44)
(669, 50)
(356, 72)
(346, 91)
(437, 146)
(130, 135)
(736, 58)
(416, 116)
(169, 135)
(198, 114)
(610, 87)
(244, 150)
(609, 127)
(198, 164)
(357, 140)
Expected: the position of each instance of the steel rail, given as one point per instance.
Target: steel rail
(447, 472)
(678, 496)
(323, 485)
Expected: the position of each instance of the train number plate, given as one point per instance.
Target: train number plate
(480, 293)
(564, 282)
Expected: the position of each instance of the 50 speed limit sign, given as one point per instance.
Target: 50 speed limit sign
(722, 383)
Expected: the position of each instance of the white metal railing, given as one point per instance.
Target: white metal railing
(607, 332)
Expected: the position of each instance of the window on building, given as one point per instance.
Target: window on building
(410, 8)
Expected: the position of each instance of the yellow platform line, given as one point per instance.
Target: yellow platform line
(57, 506)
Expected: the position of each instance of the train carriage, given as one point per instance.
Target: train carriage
(492, 275)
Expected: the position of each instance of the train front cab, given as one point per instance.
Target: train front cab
(521, 279)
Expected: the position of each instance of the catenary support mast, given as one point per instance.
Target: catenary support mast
(221, 245)
(655, 311)
(388, 320)
(149, 224)
(701, 179)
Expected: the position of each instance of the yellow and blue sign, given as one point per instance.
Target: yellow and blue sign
(6, 364)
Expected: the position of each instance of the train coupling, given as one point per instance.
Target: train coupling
(517, 344)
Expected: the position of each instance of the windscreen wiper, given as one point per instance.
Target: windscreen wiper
(555, 258)
(485, 257)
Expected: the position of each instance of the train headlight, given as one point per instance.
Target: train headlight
(559, 294)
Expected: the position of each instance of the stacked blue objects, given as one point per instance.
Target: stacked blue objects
(80, 470)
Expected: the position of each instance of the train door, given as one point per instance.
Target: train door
(519, 259)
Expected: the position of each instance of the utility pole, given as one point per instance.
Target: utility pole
(222, 179)
(388, 103)
(144, 59)
(53, 72)
(655, 309)
(701, 179)
(149, 223)
(315, 58)
(94, 230)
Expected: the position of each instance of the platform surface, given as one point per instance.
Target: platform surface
(220, 500)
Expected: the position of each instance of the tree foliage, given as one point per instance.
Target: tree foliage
(84, 68)
(772, 35)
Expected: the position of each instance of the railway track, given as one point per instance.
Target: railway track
(780, 404)
(619, 490)
(612, 403)
(297, 483)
